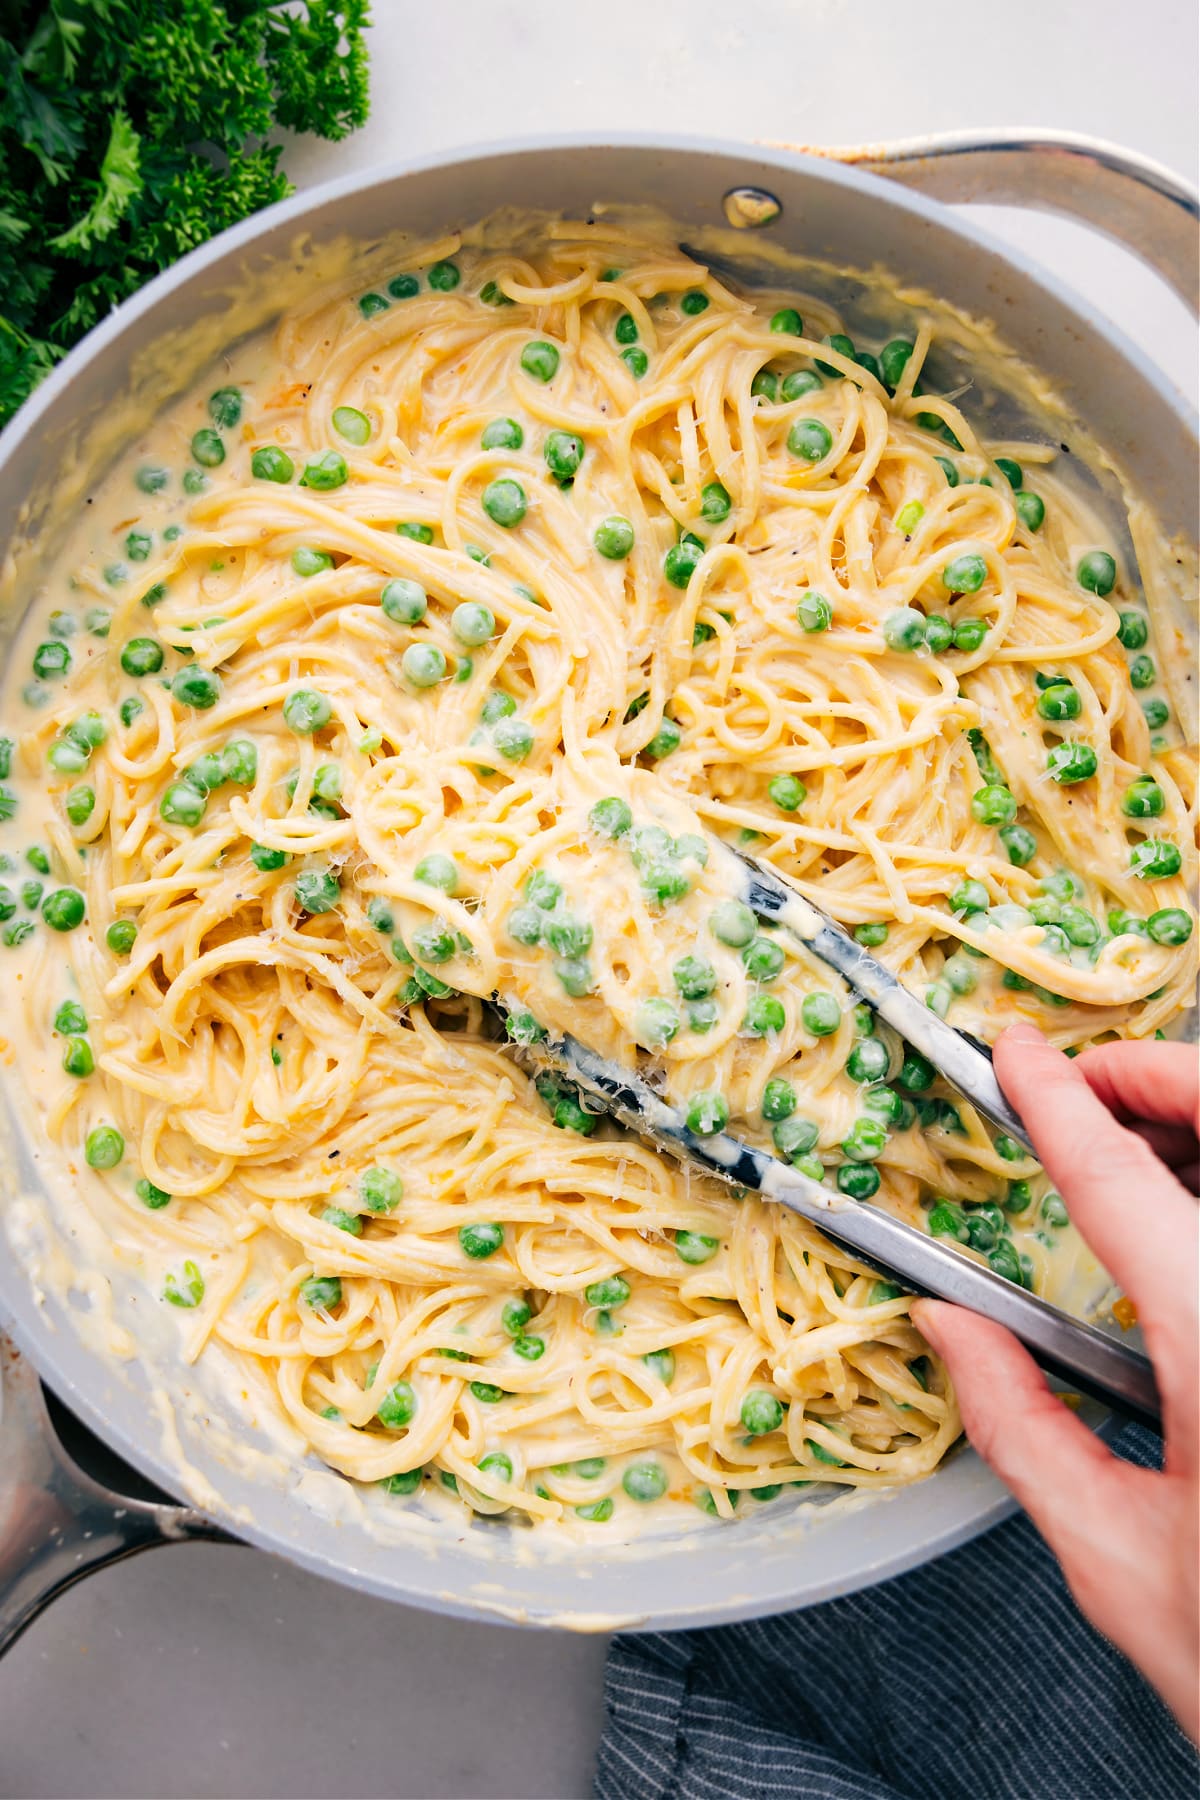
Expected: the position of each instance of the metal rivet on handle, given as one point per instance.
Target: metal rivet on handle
(750, 208)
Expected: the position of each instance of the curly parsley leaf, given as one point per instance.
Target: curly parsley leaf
(132, 130)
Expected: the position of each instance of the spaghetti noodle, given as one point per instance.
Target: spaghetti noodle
(485, 601)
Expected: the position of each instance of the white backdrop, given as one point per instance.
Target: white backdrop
(205, 1671)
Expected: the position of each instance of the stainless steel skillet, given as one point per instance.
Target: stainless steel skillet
(151, 348)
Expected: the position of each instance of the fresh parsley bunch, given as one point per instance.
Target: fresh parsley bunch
(132, 130)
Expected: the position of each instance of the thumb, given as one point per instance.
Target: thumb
(1061, 1474)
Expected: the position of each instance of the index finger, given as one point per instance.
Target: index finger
(1137, 1217)
(1146, 1081)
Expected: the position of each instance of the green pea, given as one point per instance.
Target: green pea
(871, 934)
(810, 440)
(103, 1147)
(1071, 762)
(765, 386)
(524, 924)
(419, 534)
(1061, 701)
(563, 452)
(16, 933)
(613, 1290)
(761, 1412)
(567, 935)
(1096, 572)
(965, 574)
(763, 959)
(403, 287)
(152, 479)
(868, 1061)
(1020, 844)
(322, 1293)
(886, 1104)
(707, 1113)
(267, 859)
(142, 656)
(307, 561)
(764, 1014)
(121, 936)
(51, 658)
(645, 1481)
(681, 561)
(693, 302)
(1031, 510)
(182, 804)
(129, 709)
(866, 1139)
(1170, 925)
(794, 386)
(858, 1180)
(716, 503)
(540, 360)
(1134, 630)
(598, 1511)
(344, 1221)
(814, 612)
(993, 805)
(80, 804)
(270, 463)
(380, 1189)
(351, 424)
(916, 1074)
(186, 1293)
(327, 471)
(655, 1023)
(613, 537)
(970, 896)
(1142, 673)
(733, 923)
(63, 909)
(788, 792)
(904, 629)
(821, 1014)
(893, 359)
(611, 817)
(424, 665)
(443, 277)
(398, 1406)
(306, 711)
(795, 1137)
(37, 859)
(77, 1057)
(939, 633)
(70, 1018)
(1155, 860)
(694, 977)
(471, 623)
(437, 871)
(208, 448)
(505, 504)
(195, 687)
(625, 330)
(371, 305)
(837, 341)
(693, 1247)
(152, 1197)
(35, 694)
(542, 890)
(480, 1241)
(788, 321)
(317, 890)
(662, 1364)
(665, 740)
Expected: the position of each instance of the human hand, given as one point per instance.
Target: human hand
(1116, 1130)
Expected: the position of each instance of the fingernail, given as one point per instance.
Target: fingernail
(1023, 1034)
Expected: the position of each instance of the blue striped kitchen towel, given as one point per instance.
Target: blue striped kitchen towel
(973, 1678)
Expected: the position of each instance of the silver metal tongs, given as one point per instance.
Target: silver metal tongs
(1085, 1357)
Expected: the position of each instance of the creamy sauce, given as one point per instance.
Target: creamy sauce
(219, 1064)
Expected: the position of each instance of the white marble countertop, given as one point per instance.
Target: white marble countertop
(210, 1671)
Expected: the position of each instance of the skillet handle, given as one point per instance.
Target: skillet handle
(57, 1523)
(1128, 197)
